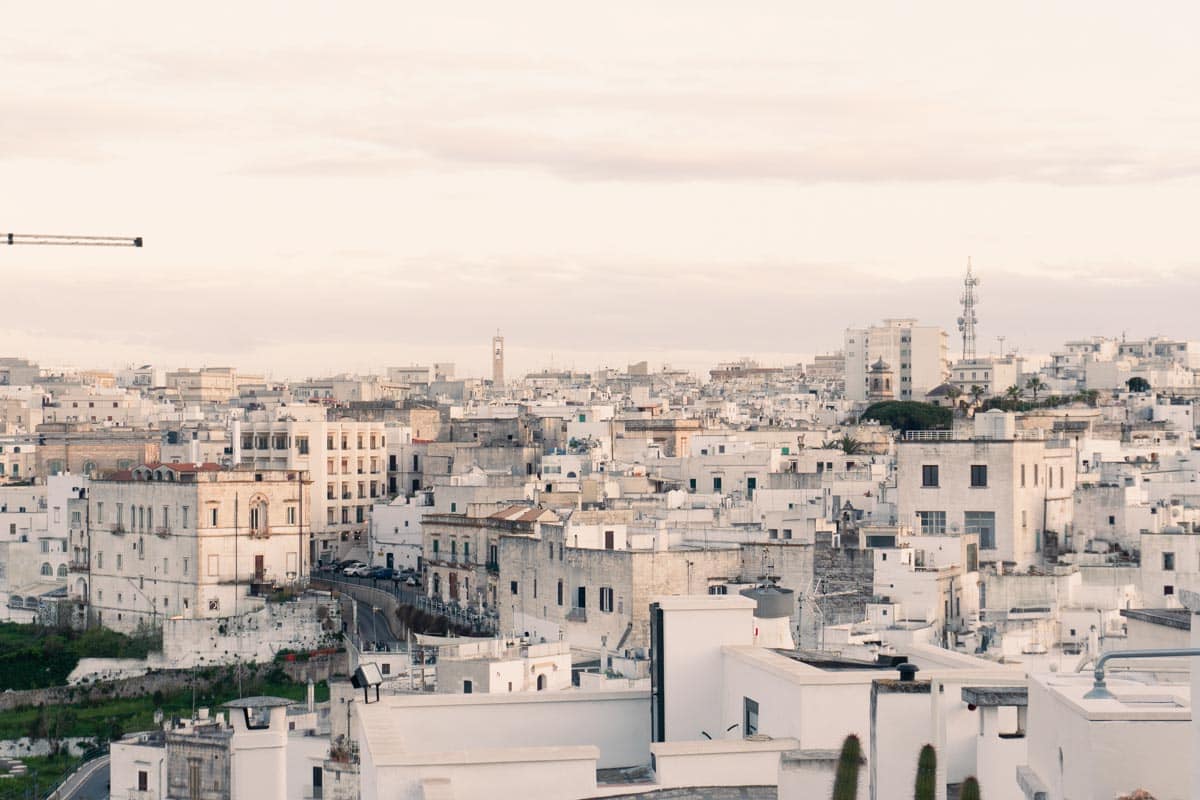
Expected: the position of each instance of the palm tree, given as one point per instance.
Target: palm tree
(953, 393)
(1035, 385)
(977, 393)
(847, 444)
(1013, 394)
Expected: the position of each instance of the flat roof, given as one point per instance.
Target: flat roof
(1180, 618)
(263, 701)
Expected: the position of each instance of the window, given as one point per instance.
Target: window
(929, 475)
(1112, 520)
(468, 687)
(183, 516)
(1168, 561)
(978, 475)
(749, 716)
(692, 484)
(932, 521)
(608, 540)
(1035, 474)
(302, 445)
(213, 517)
(581, 597)
(512, 585)
(1022, 476)
(100, 512)
(1168, 590)
(719, 588)
(606, 599)
(716, 483)
(560, 593)
(984, 524)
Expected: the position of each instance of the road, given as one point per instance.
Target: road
(372, 625)
(89, 783)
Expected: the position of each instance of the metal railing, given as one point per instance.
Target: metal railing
(480, 621)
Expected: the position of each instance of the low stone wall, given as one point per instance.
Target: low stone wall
(127, 687)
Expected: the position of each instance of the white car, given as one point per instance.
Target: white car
(357, 570)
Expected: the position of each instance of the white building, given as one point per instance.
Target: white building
(346, 462)
(1009, 489)
(917, 354)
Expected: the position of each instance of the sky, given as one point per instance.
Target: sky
(343, 187)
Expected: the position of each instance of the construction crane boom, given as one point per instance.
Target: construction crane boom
(90, 241)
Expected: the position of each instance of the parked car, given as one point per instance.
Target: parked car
(383, 573)
(357, 571)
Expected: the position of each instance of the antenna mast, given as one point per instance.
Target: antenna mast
(966, 323)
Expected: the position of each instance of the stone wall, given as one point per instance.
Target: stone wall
(843, 584)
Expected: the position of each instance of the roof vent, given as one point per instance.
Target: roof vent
(908, 672)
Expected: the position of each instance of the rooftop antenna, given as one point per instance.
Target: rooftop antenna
(966, 323)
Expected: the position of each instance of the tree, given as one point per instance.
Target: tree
(845, 782)
(909, 415)
(1013, 394)
(1090, 396)
(977, 393)
(970, 789)
(926, 786)
(1138, 384)
(847, 444)
(1035, 385)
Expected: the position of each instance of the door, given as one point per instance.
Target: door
(318, 780)
(390, 564)
(453, 585)
(608, 540)
(259, 567)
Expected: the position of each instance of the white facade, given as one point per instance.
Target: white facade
(1008, 490)
(345, 460)
(916, 353)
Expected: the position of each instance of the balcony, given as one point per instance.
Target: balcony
(118, 529)
(162, 531)
(493, 567)
(577, 615)
(78, 566)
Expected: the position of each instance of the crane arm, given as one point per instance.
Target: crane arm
(93, 241)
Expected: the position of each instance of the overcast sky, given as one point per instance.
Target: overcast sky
(356, 185)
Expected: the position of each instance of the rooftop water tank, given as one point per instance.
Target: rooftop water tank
(773, 602)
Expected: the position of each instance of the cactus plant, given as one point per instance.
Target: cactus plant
(926, 787)
(970, 789)
(845, 784)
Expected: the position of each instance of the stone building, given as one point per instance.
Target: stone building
(599, 596)
(189, 540)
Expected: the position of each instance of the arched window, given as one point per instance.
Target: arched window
(62, 570)
(47, 570)
(258, 516)
(56, 466)
(89, 468)
(541, 683)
